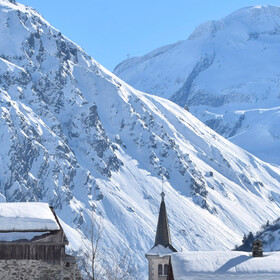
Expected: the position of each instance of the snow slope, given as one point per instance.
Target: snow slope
(76, 136)
(227, 73)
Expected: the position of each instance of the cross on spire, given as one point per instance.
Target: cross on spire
(162, 195)
(162, 181)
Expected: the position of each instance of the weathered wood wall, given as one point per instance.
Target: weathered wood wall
(49, 247)
(48, 253)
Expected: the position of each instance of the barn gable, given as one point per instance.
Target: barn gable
(31, 233)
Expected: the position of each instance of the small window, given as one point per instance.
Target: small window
(67, 264)
(160, 269)
(165, 269)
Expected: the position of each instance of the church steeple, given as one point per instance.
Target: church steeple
(160, 254)
(163, 233)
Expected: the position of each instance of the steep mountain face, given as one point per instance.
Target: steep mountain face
(76, 136)
(227, 73)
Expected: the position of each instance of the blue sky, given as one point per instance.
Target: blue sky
(111, 30)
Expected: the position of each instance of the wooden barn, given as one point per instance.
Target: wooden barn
(30, 234)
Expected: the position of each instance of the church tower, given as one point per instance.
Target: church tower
(159, 256)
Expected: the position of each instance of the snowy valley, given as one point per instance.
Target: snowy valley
(76, 136)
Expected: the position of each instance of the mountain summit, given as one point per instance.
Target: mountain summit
(76, 136)
(227, 73)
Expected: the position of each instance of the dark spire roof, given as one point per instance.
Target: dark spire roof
(163, 233)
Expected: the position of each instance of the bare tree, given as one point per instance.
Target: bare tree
(91, 260)
(121, 268)
(99, 265)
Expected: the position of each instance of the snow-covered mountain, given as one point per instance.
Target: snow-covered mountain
(76, 136)
(227, 72)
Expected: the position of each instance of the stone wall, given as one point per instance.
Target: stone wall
(37, 270)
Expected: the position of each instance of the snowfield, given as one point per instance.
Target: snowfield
(76, 136)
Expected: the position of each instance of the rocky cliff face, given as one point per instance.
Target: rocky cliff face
(227, 73)
(76, 136)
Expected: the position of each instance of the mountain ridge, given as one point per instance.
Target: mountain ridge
(227, 74)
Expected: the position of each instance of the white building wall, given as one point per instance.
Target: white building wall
(154, 262)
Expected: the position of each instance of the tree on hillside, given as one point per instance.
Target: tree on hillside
(100, 265)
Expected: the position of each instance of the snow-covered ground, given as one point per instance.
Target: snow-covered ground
(227, 72)
(225, 265)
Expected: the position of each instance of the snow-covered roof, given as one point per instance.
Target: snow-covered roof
(27, 216)
(15, 236)
(223, 262)
(160, 250)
